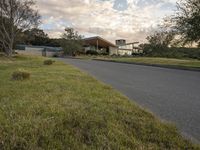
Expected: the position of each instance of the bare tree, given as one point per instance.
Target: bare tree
(15, 16)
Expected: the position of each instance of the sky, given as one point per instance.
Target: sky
(131, 20)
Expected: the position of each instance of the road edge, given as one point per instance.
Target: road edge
(154, 65)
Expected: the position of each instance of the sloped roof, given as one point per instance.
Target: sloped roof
(101, 42)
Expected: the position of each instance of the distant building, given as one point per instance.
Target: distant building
(120, 42)
(46, 51)
(96, 43)
(103, 46)
(127, 48)
(100, 45)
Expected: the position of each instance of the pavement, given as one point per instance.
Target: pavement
(172, 95)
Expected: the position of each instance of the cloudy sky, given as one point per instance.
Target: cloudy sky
(132, 20)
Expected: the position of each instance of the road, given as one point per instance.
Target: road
(172, 95)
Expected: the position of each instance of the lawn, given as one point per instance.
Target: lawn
(187, 63)
(60, 107)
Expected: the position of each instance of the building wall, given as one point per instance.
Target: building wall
(113, 51)
(33, 49)
(51, 54)
(30, 52)
(126, 46)
(124, 52)
(39, 53)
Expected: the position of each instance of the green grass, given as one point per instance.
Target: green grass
(60, 107)
(188, 63)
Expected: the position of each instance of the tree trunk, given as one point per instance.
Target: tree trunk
(9, 50)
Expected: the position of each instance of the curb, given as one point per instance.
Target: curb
(154, 65)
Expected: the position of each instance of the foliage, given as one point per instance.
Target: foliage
(158, 43)
(187, 20)
(55, 55)
(15, 16)
(104, 53)
(92, 52)
(161, 39)
(61, 107)
(49, 62)
(54, 43)
(172, 52)
(20, 75)
(183, 63)
(71, 41)
(35, 36)
(137, 54)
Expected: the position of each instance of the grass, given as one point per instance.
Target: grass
(60, 107)
(188, 63)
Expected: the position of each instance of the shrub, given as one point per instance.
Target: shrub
(80, 53)
(91, 52)
(105, 53)
(20, 75)
(48, 62)
(137, 54)
(173, 52)
(115, 55)
(55, 55)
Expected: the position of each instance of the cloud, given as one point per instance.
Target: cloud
(112, 19)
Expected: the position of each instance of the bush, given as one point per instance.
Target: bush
(115, 55)
(20, 75)
(105, 53)
(137, 54)
(173, 52)
(80, 53)
(55, 55)
(48, 62)
(91, 52)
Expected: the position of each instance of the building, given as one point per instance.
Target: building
(103, 46)
(127, 48)
(100, 45)
(96, 43)
(46, 51)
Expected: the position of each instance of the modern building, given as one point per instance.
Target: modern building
(127, 48)
(103, 46)
(100, 45)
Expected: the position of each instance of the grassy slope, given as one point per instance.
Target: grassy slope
(63, 108)
(161, 61)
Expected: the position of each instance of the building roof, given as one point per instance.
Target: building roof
(101, 42)
(132, 43)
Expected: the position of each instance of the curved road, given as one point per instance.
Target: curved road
(173, 95)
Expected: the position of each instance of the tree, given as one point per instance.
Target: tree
(35, 36)
(38, 37)
(15, 17)
(187, 21)
(159, 42)
(161, 39)
(71, 41)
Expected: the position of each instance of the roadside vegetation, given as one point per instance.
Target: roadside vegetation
(186, 63)
(178, 35)
(59, 107)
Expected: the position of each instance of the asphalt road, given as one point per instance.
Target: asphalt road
(172, 95)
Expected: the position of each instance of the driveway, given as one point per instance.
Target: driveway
(172, 95)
